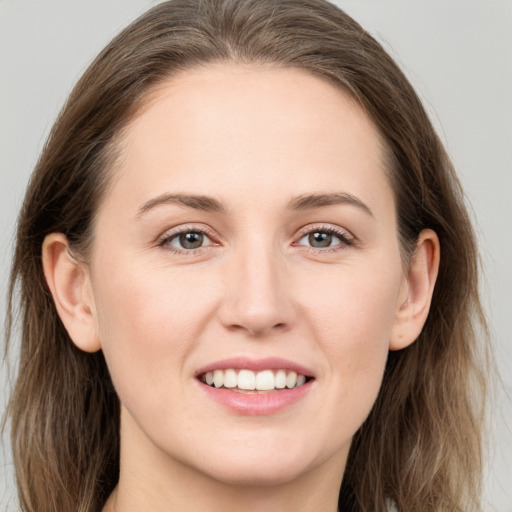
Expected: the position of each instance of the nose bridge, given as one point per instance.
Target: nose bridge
(256, 300)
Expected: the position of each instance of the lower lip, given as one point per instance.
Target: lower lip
(256, 404)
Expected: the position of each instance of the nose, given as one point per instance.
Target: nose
(257, 298)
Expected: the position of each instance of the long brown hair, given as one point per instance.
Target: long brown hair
(420, 448)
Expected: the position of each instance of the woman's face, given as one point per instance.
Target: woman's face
(250, 227)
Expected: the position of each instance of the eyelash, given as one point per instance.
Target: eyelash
(346, 240)
(166, 238)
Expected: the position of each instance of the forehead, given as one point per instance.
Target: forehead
(228, 128)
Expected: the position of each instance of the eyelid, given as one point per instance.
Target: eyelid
(171, 233)
(347, 239)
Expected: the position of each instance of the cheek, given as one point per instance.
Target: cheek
(148, 322)
(353, 308)
(353, 322)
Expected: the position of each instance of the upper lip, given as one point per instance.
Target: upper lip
(248, 363)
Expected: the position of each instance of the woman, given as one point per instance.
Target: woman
(247, 278)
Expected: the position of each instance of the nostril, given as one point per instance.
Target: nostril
(257, 328)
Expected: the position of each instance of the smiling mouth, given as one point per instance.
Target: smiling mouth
(248, 381)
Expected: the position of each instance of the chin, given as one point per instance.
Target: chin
(271, 473)
(261, 467)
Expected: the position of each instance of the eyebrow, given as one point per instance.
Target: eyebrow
(209, 204)
(197, 202)
(312, 201)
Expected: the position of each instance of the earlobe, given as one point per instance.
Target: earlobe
(414, 305)
(69, 283)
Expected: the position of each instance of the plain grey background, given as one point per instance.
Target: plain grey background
(458, 55)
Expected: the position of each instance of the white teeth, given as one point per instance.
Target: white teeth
(266, 380)
(246, 379)
(218, 378)
(291, 380)
(280, 380)
(230, 379)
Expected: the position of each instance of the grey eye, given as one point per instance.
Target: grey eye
(189, 240)
(325, 238)
(320, 239)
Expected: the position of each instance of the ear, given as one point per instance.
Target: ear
(416, 293)
(69, 283)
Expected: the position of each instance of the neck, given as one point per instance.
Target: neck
(222, 498)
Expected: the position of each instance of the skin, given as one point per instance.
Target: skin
(254, 139)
